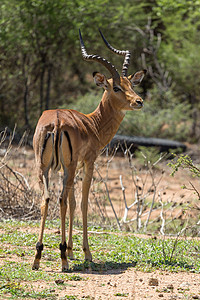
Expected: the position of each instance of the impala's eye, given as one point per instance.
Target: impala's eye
(116, 89)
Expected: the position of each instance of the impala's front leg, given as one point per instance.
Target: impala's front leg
(84, 206)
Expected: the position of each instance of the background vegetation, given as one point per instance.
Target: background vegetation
(42, 68)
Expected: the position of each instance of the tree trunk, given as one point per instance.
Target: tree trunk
(26, 119)
(42, 87)
(47, 100)
(25, 74)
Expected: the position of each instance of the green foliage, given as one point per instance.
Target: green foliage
(180, 48)
(147, 155)
(155, 121)
(42, 67)
(86, 103)
(185, 162)
(40, 51)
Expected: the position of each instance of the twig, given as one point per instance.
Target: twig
(161, 216)
(124, 198)
(107, 191)
(198, 193)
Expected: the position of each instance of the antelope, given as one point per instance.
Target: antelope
(65, 137)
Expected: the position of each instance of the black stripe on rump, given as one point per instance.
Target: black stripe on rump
(56, 148)
(45, 142)
(69, 142)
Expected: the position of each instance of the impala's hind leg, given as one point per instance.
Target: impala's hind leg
(72, 206)
(67, 186)
(43, 170)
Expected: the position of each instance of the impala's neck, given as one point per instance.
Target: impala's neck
(107, 119)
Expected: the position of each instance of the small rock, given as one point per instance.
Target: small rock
(195, 297)
(184, 286)
(170, 286)
(166, 290)
(112, 284)
(140, 279)
(160, 295)
(59, 281)
(153, 281)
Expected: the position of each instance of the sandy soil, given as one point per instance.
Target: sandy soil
(129, 283)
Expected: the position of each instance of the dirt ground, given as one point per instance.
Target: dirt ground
(120, 284)
(132, 284)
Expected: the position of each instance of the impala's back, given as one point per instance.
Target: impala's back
(63, 136)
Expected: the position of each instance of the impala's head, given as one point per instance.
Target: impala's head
(120, 87)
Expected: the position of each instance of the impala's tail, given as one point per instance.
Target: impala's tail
(56, 153)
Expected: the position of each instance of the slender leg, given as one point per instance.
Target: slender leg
(72, 206)
(67, 185)
(44, 209)
(84, 206)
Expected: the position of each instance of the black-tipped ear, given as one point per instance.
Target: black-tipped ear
(94, 73)
(136, 78)
(100, 80)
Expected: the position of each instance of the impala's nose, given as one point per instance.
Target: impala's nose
(139, 102)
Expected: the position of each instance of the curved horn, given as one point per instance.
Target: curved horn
(103, 61)
(125, 53)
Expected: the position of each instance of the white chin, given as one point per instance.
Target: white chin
(136, 108)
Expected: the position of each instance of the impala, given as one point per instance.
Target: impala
(64, 137)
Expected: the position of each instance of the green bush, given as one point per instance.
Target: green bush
(86, 103)
(172, 122)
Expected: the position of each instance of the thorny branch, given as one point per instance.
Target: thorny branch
(108, 195)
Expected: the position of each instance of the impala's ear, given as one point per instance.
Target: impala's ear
(136, 78)
(100, 80)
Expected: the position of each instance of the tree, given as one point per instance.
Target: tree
(181, 50)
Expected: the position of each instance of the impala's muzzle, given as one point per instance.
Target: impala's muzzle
(137, 104)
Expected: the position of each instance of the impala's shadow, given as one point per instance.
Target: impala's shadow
(108, 267)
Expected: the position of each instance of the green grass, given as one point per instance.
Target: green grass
(111, 250)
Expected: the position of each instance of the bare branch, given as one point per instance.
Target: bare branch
(107, 191)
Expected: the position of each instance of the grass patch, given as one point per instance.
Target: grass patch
(121, 294)
(110, 251)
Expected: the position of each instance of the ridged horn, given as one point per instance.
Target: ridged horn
(101, 60)
(125, 53)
